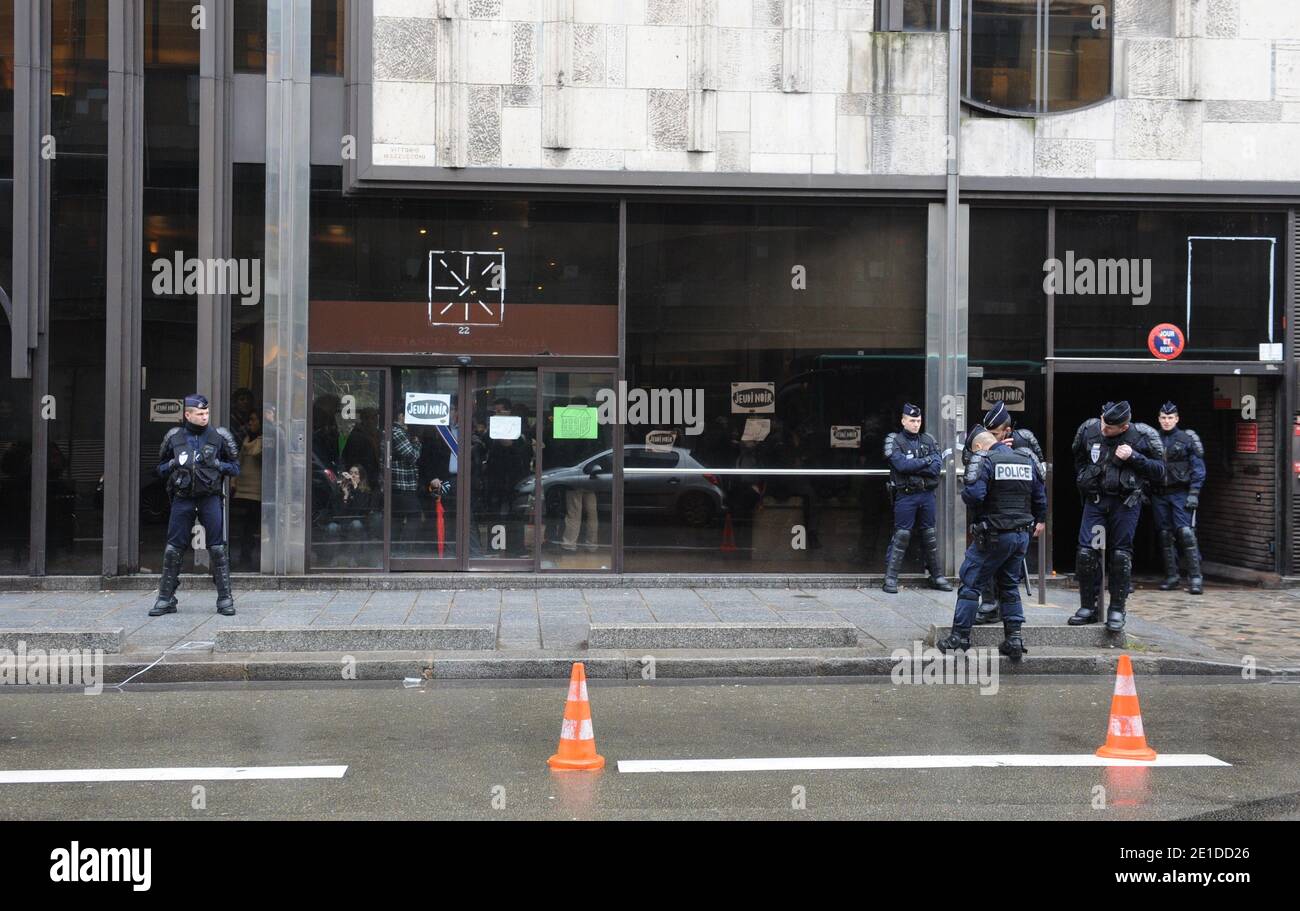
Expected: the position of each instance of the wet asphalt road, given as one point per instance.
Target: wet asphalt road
(466, 750)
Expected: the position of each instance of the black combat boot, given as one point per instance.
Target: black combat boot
(988, 612)
(1013, 645)
(930, 548)
(171, 578)
(1192, 557)
(1121, 572)
(894, 559)
(220, 554)
(1085, 570)
(1170, 554)
(956, 641)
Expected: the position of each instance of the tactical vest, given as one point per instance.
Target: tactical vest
(1009, 504)
(1103, 472)
(1021, 440)
(923, 446)
(197, 473)
(1179, 448)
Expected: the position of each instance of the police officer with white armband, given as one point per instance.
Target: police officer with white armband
(1116, 462)
(915, 462)
(1175, 501)
(1005, 490)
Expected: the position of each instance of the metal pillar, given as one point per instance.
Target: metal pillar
(288, 172)
(216, 48)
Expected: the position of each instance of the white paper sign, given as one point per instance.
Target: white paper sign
(165, 411)
(1012, 392)
(756, 430)
(505, 427)
(753, 398)
(1270, 351)
(846, 436)
(428, 408)
(660, 440)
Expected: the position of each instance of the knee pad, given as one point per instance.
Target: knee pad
(966, 593)
(1187, 536)
(1086, 561)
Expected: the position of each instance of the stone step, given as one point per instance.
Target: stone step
(357, 638)
(1092, 636)
(107, 640)
(721, 635)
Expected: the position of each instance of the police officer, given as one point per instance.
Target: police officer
(1177, 498)
(1115, 461)
(915, 462)
(195, 459)
(997, 420)
(1004, 487)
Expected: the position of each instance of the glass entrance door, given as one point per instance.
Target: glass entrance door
(502, 531)
(425, 469)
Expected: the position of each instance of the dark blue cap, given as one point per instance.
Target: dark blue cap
(1116, 413)
(970, 437)
(997, 415)
(194, 400)
(1168, 408)
(911, 410)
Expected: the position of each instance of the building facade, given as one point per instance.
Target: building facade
(637, 286)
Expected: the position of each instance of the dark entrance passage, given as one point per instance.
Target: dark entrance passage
(1237, 523)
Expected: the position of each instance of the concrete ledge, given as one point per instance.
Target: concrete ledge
(721, 635)
(1092, 636)
(107, 640)
(356, 638)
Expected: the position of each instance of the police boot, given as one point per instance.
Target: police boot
(220, 554)
(930, 547)
(1013, 646)
(1121, 571)
(1085, 570)
(988, 612)
(894, 559)
(1192, 557)
(956, 641)
(1170, 554)
(171, 578)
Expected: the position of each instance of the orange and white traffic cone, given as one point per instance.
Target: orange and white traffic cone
(1125, 737)
(577, 750)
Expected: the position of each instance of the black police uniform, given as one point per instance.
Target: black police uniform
(1005, 490)
(1175, 500)
(195, 461)
(915, 461)
(1112, 490)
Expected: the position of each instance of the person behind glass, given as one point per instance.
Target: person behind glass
(246, 489)
(1174, 502)
(915, 462)
(1005, 491)
(406, 476)
(196, 458)
(352, 507)
(1115, 463)
(509, 461)
(579, 504)
(997, 421)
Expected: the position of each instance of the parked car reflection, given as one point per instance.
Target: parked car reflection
(695, 499)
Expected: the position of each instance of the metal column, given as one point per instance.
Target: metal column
(216, 46)
(123, 304)
(288, 173)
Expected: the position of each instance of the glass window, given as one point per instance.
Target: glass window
(347, 472)
(1010, 67)
(250, 36)
(1215, 276)
(911, 15)
(327, 30)
(248, 239)
(577, 483)
(792, 334)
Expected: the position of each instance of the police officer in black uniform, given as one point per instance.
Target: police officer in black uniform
(915, 462)
(1175, 501)
(195, 459)
(1116, 462)
(1004, 487)
(997, 420)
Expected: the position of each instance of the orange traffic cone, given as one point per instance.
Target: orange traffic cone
(1125, 738)
(577, 750)
(728, 536)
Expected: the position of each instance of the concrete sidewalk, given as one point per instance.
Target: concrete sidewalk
(551, 625)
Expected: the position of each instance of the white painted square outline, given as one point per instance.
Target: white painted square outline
(501, 303)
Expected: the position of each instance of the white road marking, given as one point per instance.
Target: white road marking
(213, 773)
(1041, 760)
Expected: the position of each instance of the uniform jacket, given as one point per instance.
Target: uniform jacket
(196, 464)
(1098, 471)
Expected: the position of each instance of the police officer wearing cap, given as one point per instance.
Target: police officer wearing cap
(1116, 461)
(997, 420)
(1175, 500)
(915, 462)
(195, 459)
(1005, 490)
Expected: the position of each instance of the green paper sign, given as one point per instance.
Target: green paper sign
(575, 422)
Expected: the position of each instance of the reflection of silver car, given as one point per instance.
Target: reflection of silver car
(694, 498)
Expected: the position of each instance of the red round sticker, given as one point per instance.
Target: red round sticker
(1166, 341)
